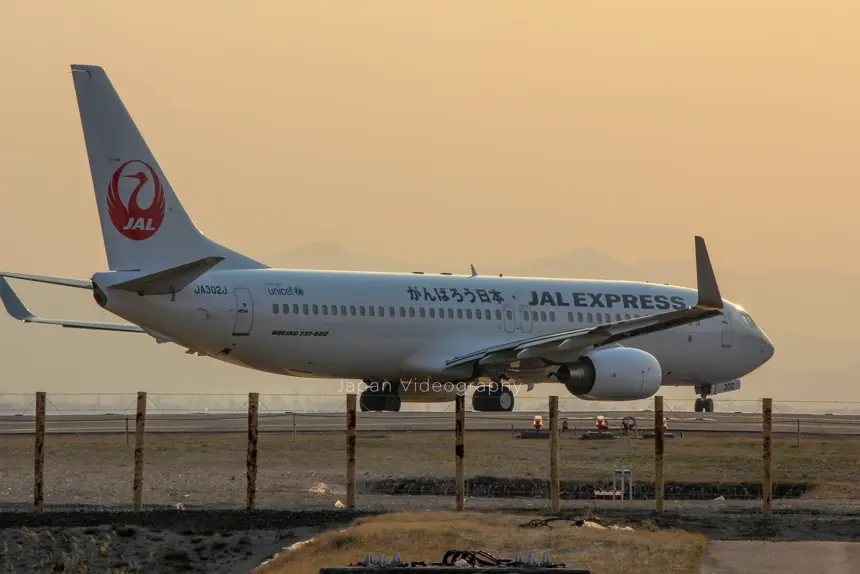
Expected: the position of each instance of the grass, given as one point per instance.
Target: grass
(426, 536)
(211, 468)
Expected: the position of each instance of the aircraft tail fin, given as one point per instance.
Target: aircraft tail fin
(144, 225)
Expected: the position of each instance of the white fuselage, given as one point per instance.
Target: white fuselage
(359, 326)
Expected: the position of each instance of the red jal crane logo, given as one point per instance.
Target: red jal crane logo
(132, 220)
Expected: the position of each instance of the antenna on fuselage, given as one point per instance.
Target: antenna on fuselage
(474, 273)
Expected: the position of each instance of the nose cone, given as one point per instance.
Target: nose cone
(766, 348)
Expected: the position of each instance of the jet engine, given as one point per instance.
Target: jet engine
(613, 374)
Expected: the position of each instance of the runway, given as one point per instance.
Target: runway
(699, 423)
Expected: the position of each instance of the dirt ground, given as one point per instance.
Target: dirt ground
(201, 478)
(210, 469)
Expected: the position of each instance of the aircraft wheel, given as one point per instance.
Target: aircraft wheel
(481, 400)
(392, 403)
(700, 405)
(709, 405)
(366, 402)
(504, 400)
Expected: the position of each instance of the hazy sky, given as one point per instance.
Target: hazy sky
(495, 131)
(444, 133)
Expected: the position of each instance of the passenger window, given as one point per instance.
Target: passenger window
(590, 318)
(412, 311)
(579, 317)
(343, 310)
(498, 315)
(305, 308)
(370, 311)
(276, 308)
(525, 315)
(402, 312)
(352, 310)
(316, 310)
(543, 316)
(442, 313)
(618, 316)
(361, 310)
(421, 312)
(627, 316)
(478, 314)
(432, 312)
(534, 316)
(450, 313)
(468, 313)
(286, 309)
(509, 314)
(570, 317)
(552, 316)
(459, 313)
(295, 308)
(325, 309)
(391, 311)
(381, 311)
(334, 309)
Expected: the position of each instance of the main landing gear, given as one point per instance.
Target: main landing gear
(379, 396)
(704, 404)
(494, 397)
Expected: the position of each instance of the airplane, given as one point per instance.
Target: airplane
(407, 337)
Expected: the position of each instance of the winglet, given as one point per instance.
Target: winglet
(474, 273)
(709, 293)
(13, 303)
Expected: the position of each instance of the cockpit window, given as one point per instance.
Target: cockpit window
(748, 320)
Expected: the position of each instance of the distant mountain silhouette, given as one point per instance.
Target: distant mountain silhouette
(577, 264)
(804, 311)
(330, 256)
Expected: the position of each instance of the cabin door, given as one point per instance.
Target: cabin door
(244, 312)
(726, 331)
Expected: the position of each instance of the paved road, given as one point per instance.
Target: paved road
(765, 557)
(724, 423)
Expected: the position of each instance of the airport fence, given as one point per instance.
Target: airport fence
(61, 453)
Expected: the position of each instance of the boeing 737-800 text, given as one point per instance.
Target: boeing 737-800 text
(603, 340)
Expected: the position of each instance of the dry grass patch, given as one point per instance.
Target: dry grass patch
(426, 536)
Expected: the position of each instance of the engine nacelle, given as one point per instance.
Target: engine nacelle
(614, 374)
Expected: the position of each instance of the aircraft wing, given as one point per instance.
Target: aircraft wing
(19, 311)
(573, 342)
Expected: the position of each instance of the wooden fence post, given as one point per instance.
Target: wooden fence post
(553, 455)
(251, 461)
(659, 486)
(767, 458)
(459, 451)
(138, 450)
(350, 450)
(39, 470)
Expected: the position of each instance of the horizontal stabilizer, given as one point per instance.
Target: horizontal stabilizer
(79, 283)
(170, 280)
(19, 311)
